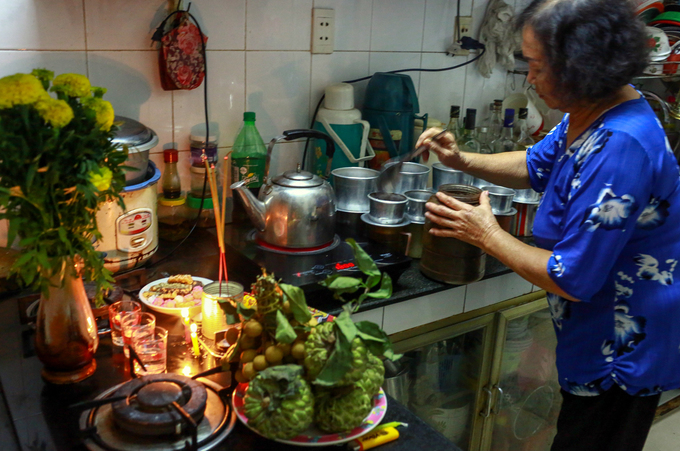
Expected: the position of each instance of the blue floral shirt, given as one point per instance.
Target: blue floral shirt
(610, 217)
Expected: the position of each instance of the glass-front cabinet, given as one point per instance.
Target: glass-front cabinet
(486, 383)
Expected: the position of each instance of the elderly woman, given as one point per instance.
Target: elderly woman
(606, 231)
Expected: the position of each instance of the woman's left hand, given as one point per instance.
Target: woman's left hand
(456, 219)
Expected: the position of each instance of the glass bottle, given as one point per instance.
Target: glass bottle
(469, 142)
(172, 188)
(496, 126)
(506, 142)
(525, 140)
(484, 140)
(454, 125)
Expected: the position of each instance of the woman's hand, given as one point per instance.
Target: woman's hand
(445, 147)
(456, 219)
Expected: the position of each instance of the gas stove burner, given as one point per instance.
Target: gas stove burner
(148, 408)
(254, 237)
(149, 423)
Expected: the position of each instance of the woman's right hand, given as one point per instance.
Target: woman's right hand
(445, 147)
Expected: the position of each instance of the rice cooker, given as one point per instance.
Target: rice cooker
(130, 236)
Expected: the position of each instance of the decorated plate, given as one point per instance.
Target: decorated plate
(313, 436)
(147, 299)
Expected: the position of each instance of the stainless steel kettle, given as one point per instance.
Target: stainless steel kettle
(297, 208)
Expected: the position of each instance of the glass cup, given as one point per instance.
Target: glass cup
(132, 322)
(115, 311)
(151, 345)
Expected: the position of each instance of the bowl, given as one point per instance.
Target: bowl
(387, 208)
(147, 298)
(415, 209)
(500, 198)
(526, 195)
(658, 41)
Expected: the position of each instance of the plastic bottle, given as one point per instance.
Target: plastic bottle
(249, 156)
(484, 140)
(468, 142)
(172, 188)
(525, 140)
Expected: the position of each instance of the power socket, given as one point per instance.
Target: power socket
(464, 26)
(323, 30)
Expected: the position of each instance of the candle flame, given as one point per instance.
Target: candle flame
(185, 313)
(186, 370)
(194, 328)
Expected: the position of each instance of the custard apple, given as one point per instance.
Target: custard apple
(341, 409)
(374, 375)
(279, 402)
(320, 345)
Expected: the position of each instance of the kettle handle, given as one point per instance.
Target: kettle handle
(290, 135)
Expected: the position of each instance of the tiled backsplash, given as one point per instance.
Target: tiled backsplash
(258, 59)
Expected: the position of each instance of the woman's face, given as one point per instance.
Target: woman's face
(540, 74)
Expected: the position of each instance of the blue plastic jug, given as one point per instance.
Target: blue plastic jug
(390, 107)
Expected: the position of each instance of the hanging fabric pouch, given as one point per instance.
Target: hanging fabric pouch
(181, 56)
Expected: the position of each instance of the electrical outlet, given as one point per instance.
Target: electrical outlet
(464, 26)
(323, 30)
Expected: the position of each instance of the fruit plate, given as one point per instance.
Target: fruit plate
(313, 436)
(147, 299)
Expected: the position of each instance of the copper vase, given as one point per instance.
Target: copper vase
(66, 332)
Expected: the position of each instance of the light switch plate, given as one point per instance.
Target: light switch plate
(323, 30)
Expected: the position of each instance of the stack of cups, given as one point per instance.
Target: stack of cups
(132, 328)
(501, 204)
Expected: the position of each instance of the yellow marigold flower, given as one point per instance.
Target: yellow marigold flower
(103, 109)
(56, 112)
(73, 85)
(20, 89)
(101, 179)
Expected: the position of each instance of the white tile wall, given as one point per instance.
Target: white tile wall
(42, 25)
(423, 310)
(497, 289)
(352, 22)
(397, 25)
(278, 24)
(440, 16)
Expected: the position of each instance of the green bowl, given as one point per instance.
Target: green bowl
(673, 16)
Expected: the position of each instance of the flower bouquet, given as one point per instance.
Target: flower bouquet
(57, 165)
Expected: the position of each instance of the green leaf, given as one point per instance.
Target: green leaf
(246, 313)
(385, 290)
(337, 365)
(230, 311)
(284, 331)
(372, 281)
(376, 340)
(298, 304)
(345, 326)
(364, 261)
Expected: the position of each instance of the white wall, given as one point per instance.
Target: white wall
(258, 59)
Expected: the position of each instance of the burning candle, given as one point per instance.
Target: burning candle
(185, 319)
(194, 340)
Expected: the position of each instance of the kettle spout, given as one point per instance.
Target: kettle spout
(253, 206)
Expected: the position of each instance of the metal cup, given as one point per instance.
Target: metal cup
(444, 175)
(387, 208)
(500, 198)
(412, 176)
(415, 209)
(352, 187)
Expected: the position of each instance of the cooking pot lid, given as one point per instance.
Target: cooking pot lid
(298, 179)
(137, 136)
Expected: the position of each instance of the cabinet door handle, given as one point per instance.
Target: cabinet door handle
(489, 400)
(499, 398)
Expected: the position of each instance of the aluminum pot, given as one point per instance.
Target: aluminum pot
(352, 187)
(523, 222)
(443, 175)
(139, 140)
(411, 177)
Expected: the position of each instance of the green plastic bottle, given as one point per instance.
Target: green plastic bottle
(249, 154)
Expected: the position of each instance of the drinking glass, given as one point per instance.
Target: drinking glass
(135, 321)
(115, 311)
(151, 345)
